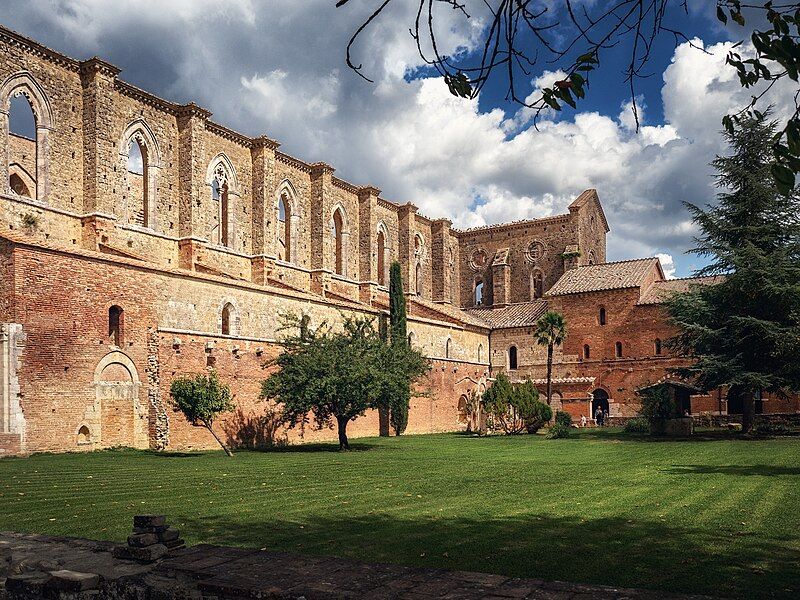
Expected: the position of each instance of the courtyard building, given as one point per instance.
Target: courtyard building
(141, 240)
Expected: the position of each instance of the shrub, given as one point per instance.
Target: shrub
(564, 418)
(637, 425)
(558, 430)
(767, 428)
(657, 405)
(515, 408)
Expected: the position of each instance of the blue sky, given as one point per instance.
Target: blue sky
(277, 67)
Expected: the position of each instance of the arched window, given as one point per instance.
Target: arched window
(591, 256)
(586, 351)
(115, 325)
(137, 181)
(602, 316)
(219, 193)
(338, 246)
(26, 120)
(284, 229)
(462, 409)
(381, 244)
(618, 349)
(512, 358)
(228, 319)
(448, 348)
(480, 352)
(411, 338)
(478, 292)
(84, 435)
(537, 284)
(22, 147)
(658, 346)
(418, 279)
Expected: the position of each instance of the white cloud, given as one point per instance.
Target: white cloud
(667, 264)
(277, 67)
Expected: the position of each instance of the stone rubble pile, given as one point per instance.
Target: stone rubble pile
(150, 540)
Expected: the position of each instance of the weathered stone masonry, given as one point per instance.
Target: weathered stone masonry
(141, 241)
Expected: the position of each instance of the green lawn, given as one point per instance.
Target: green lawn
(713, 516)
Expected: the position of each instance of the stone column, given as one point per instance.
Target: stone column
(405, 243)
(501, 278)
(440, 284)
(264, 217)
(99, 149)
(321, 194)
(193, 195)
(367, 233)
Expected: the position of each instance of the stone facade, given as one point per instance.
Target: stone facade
(116, 277)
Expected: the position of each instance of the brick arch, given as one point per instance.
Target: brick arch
(116, 358)
(23, 82)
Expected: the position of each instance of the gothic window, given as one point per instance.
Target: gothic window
(448, 348)
(658, 347)
(381, 258)
(478, 292)
(618, 349)
(537, 284)
(586, 351)
(22, 151)
(418, 279)
(284, 229)
(228, 319)
(84, 435)
(411, 338)
(338, 245)
(26, 117)
(221, 178)
(512, 358)
(480, 352)
(137, 180)
(602, 316)
(115, 325)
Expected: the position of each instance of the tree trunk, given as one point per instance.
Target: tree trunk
(216, 437)
(342, 423)
(748, 409)
(549, 372)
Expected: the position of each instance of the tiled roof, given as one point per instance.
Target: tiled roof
(523, 314)
(661, 290)
(605, 276)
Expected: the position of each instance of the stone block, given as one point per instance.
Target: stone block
(169, 534)
(149, 521)
(148, 554)
(73, 581)
(30, 583)
(140, 540)
(176, 543)
(150, 529)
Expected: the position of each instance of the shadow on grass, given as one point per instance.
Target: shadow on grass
(618, 434)
(677, 557)
(763, 470)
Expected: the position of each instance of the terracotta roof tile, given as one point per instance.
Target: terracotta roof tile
(660, 291)
(523, 314)
(605, 276)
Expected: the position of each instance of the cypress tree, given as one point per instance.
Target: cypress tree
(744, 333)
(398, 406)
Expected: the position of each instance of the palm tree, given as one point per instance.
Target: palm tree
(551, 329)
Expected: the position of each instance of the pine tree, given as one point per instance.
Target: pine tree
(398, 407)
(744, 332)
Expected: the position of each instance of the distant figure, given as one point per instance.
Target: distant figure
(598, 416)
(686, 413)
(583, 420)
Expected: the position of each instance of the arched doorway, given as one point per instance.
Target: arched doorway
(122, 418)
(599, 400)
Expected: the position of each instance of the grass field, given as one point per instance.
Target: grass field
(713, 516)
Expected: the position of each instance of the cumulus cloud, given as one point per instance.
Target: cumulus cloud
(277, 68)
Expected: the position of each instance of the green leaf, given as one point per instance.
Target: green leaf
(784, 178)
(721, 15)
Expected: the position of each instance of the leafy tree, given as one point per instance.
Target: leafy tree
(399, 403)
(551, 329)
(515, 408)
(201, 399)
(576, 37)
(338, 375)
(657, 404)
(744, 332)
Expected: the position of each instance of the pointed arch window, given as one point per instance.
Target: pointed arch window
(381, 249)
(115, 325)
(137, 182)
(448, 348)
(221, 178)
(537, 284)
(22, 147)
(228, 319)
(480, 352)
(512, 358)
(418, 279)
(284, 228)
(338, 242)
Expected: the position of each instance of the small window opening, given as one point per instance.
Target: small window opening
(115, 325)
